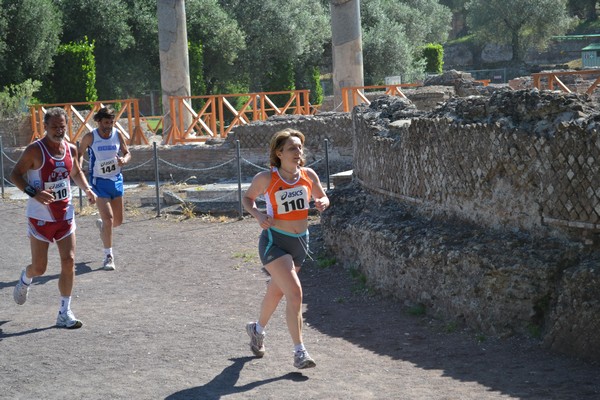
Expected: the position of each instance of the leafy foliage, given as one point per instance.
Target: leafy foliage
(394, 31)
(125, 33)
(222, 39)
(14, 98)
(30, 36)
(520, 23)
(584, 9)
(197, 85)
(74, 77)
(278, 33)
(434, 58)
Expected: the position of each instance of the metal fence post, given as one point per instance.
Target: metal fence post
(2, 165)
(239, 170)
(327, 162)
(81, 168)
(157, 180)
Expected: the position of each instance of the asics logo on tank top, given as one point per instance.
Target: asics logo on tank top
(291, 195)
(107, 148)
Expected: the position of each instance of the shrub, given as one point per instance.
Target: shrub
(73, 76)
(14, 98)
(434, 58)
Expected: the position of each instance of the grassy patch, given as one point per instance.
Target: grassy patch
(451, 327)
(187, 210)
(418, 310)
(245, 258)
(325, 262)
(360, 281)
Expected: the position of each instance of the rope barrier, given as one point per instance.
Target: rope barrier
(8, 158)
(254, 165)
(137, 166)
(213, 199)
(156, 158)
(314, 163)
(196, 169)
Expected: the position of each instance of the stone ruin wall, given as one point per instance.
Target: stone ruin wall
(483, 211)
(487, 174)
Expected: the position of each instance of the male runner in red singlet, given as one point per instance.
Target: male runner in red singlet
(44, 173)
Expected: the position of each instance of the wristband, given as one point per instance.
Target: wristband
(30, 191)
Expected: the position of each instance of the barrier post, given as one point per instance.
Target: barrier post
(239, 168)
(327, 162)
(81, 168)
(2, 165)
(156, 180)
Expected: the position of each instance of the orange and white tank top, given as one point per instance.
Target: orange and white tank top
(288, 201)
(55, 175)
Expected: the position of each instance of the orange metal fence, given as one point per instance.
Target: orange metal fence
(219, 114)
(552, 79)
(80, 119)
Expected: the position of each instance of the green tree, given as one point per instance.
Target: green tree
(29, 40)
(393, 33)
(584, 9)
(125, 33)
(222, 43)
(520, 23)
(14, 98)
(197, 82)
(278, 34)
(74, 76)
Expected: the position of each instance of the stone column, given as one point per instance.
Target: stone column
(347, 48)
(174, 61)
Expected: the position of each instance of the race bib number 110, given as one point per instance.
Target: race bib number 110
(61, 189)
(294, 199)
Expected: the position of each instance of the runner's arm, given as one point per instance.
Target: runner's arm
(125, 154)
(259, 184)
(321, 199)
(78, 176)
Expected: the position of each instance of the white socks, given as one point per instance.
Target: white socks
(299, 347)
(65, 304)
(25, 279)
(259, 329)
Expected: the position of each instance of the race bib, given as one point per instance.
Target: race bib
(60, 189)
(104, 168)
(293, 199)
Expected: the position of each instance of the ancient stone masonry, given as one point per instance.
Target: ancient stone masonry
(483, 210)
(518, 159)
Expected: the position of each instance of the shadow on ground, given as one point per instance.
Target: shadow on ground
(516, 366)
(224, 383)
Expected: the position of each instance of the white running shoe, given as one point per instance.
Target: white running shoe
(20, 291)
(99, 225)
(303, 360)
(68, 320)
(109, 263)
(256, 340)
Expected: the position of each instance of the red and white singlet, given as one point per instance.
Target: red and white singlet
(53, 175)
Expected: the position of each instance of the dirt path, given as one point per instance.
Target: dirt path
(169, 324)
